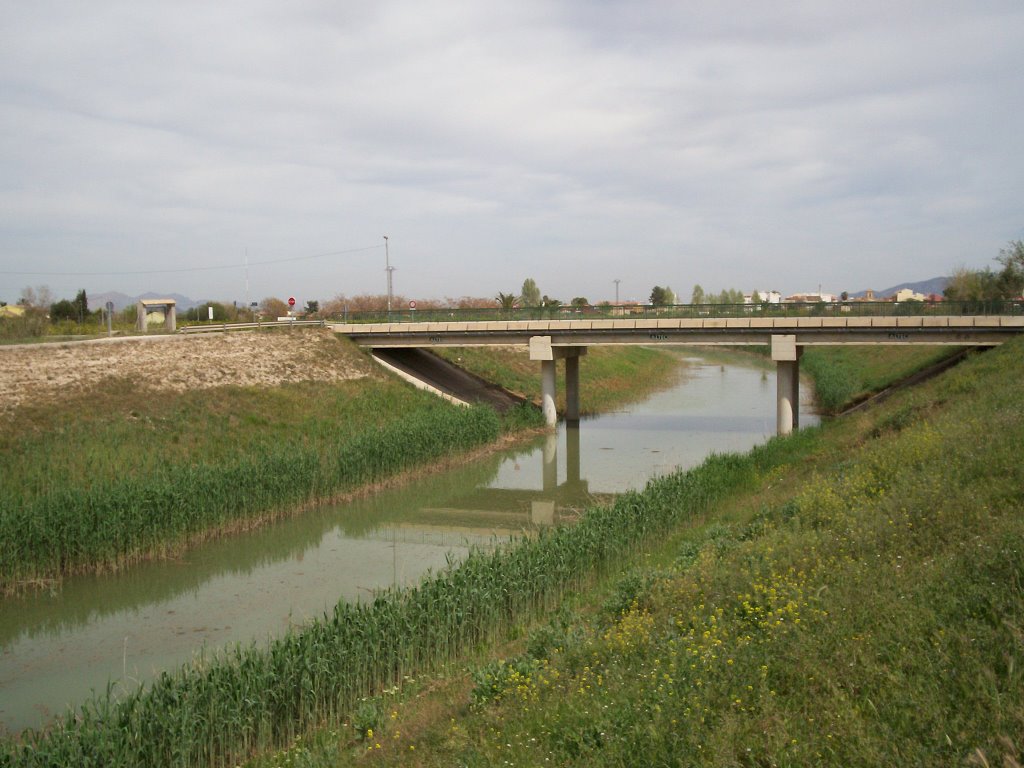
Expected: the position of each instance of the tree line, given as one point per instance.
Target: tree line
(988, 285)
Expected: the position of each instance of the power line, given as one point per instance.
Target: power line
(193, 269)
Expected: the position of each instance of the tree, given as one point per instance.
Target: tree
(63, 310)
(580, 302)
(39, 297)
(844, 296)
(530, 295)
(660, 296)
(755, 298)
(1011, 278)
(697, 297)
(81, 305)
(312, 307)
(506, 301)
(973, 285)
(549, 303)
(272, 307)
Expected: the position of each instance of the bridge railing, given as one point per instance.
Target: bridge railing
(645, 311)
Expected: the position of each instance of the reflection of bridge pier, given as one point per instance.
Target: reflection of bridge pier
(542, 511)
(512, 508)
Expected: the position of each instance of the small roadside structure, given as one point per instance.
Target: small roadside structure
(158, 310)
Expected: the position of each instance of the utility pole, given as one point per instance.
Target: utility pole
(389, 269)
(616, 281)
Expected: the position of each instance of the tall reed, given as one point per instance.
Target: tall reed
(64, 526)
(253, 698)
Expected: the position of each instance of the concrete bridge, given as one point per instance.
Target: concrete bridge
(568, 340)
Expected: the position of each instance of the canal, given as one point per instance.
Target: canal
(120, 629)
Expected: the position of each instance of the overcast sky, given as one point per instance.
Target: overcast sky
(733, 144)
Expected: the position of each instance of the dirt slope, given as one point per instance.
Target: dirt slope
(46, 372)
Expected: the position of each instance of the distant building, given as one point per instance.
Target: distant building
(905, 294)
(764, 297)
(809, 298)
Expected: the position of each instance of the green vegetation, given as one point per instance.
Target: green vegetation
(852, 596)
(846, 375)
(56, 519)
(609, 376)
(740, 633)
(254, 698)
(983, 286)
(116, 474)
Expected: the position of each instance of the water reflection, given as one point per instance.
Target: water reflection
(124, 627)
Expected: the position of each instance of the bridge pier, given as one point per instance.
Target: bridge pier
(541, 349)
(786, 354)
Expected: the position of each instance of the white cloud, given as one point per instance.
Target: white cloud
(727, 144)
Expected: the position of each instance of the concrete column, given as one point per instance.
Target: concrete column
(542, 349)
(786, 354)
(572, 390)
(547, 392)
(140, 317)
(794, 392)
(786, 414)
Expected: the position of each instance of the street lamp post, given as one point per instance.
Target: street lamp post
(389, 269)
(616, 281)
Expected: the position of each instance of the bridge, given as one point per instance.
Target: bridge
(550, 340)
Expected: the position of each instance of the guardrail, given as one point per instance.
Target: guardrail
(218, 327)
(647, 311)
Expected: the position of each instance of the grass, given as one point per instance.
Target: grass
(845, 375)
(60, 524)
(609, 376)
(854, 597)
(739, 634)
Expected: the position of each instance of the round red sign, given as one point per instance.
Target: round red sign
(291, 301)
(412, 305)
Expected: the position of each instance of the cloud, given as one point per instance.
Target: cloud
(728, 144)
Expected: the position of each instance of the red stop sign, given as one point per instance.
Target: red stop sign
(291, 301)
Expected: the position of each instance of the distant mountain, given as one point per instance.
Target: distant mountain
(99, 300)
(933, 285)
(122, 300)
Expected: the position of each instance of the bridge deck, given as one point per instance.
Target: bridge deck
(896, 329)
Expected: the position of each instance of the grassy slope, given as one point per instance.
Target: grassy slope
(857, 602)
(132, 460)
(609, 376)
(844, 375)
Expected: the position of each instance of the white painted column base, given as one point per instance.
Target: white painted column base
(547, 392)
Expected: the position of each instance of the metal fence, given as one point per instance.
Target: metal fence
(648, 311)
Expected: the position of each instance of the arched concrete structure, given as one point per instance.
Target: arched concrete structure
(169, 308)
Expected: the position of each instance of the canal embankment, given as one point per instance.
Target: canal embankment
(639, 516)
(112, 454)
(850, 596)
